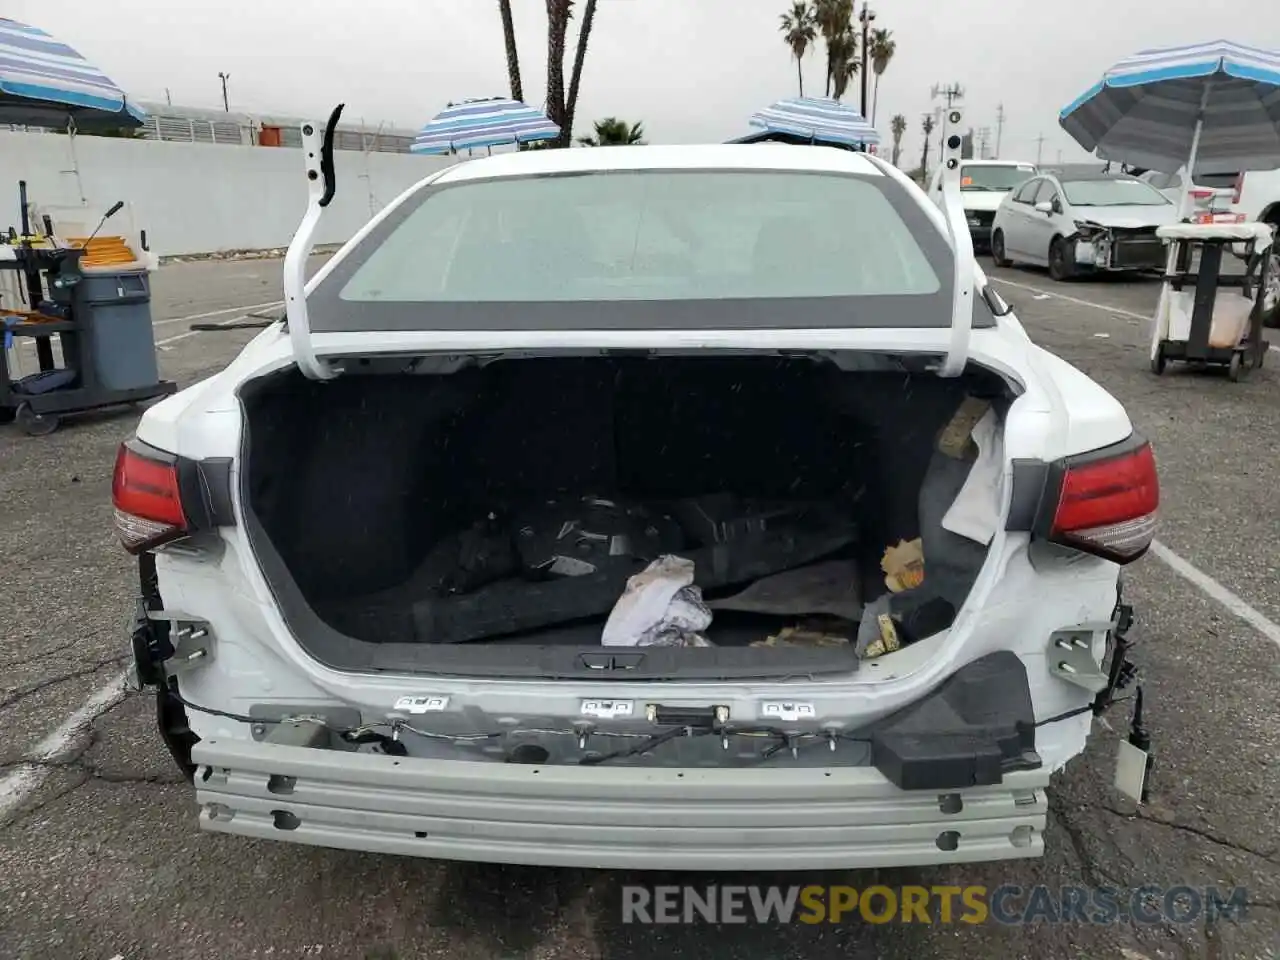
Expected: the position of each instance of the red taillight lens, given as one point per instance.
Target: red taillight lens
(147, 498)
(1200, 194)
(1235, 197)
(1108, 506)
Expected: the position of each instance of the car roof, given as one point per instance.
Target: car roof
(720, 156)
(970, 162)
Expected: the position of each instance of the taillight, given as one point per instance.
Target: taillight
(1201, 194)
(147, 495)
(1235, 197)
(1107, 503)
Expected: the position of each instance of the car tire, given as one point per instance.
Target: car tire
(1060, 266)
(997, 250)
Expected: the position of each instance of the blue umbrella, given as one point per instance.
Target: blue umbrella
(1211, 107)
(483, 123)
(816, 119)
(44, 82)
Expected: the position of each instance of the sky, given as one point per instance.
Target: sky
(689, 70)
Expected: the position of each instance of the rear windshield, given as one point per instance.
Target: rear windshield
(646, 249)
(1000, 178)
(1112, 193)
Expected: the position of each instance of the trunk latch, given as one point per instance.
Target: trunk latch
(612, 661)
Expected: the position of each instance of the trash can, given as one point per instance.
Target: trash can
(113, 311)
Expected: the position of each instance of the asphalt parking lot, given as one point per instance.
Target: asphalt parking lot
(100, 856)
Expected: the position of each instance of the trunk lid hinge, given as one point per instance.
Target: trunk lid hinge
(963, 280)
(317, 154)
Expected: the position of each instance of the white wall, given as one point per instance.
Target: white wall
(195, 197)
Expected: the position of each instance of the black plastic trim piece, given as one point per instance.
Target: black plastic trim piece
(1030, 478)
(215, 479)
(977, 726)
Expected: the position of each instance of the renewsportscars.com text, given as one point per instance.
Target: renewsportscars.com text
(1008, 904)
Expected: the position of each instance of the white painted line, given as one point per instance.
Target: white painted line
(1118, 311)
(217, 313)
(160, 344)
(30, 343)
(26, 778)
(1216, 591)
(1107, 308)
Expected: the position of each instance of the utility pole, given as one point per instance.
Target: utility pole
(1039, 148)
(984, 141)
(951, 93)
(999, 128)
(224, 77)
(168, 99)
(865, 18)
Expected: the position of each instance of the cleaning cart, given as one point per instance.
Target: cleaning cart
(95, 306)
(1205, 316)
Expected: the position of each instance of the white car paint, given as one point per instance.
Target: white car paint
(1033, 217)
(1015, 605)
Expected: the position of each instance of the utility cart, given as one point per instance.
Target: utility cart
(1205, 316)
(102, 320)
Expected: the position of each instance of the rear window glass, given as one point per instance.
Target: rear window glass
(647, 236)
(647, 250)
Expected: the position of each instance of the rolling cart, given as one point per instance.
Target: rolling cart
(102, 320)
(1193, 323)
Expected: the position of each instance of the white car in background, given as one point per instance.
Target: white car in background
(1211, 192)
(983, 184)
(403, 585)
(1082, 222)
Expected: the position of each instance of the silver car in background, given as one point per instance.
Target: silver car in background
(1082, 222)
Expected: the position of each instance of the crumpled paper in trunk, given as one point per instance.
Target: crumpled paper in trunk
(661, 607)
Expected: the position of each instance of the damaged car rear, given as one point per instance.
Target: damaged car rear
(659, 507)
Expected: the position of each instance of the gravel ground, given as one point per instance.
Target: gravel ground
(103, 859)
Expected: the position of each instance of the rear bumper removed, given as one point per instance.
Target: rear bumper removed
(952, 778)
(615, 818)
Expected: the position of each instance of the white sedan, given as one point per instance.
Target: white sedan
(1074, 223)
(499, 548)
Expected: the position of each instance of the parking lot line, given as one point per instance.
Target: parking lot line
(1118, 311)
(1092, 304)
(217, 313)
(26, 778)
(1213, 589)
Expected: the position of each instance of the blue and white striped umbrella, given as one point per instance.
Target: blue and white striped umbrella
(1211, 106)
(483, 123)
(817, 119)
(44, 82)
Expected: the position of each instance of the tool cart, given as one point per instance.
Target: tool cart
(101, 317)
(1205, 316)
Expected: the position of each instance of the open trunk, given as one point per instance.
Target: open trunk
(507, 502)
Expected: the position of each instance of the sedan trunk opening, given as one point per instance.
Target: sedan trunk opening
(508, 503)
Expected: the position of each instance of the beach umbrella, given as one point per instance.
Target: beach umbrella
(1209, 107)
(483, 123)
(45, 83)
(816, 119)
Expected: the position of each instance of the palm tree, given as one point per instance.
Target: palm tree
(881, 49)
(799, 29)
(898, 126)
(558, 14)
(927, 127)
(513, 56)
(844, 66)
(612, 132)
(575, 81)
(560, 110)
(834, 20)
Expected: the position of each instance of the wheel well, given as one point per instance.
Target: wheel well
(1271, 214)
